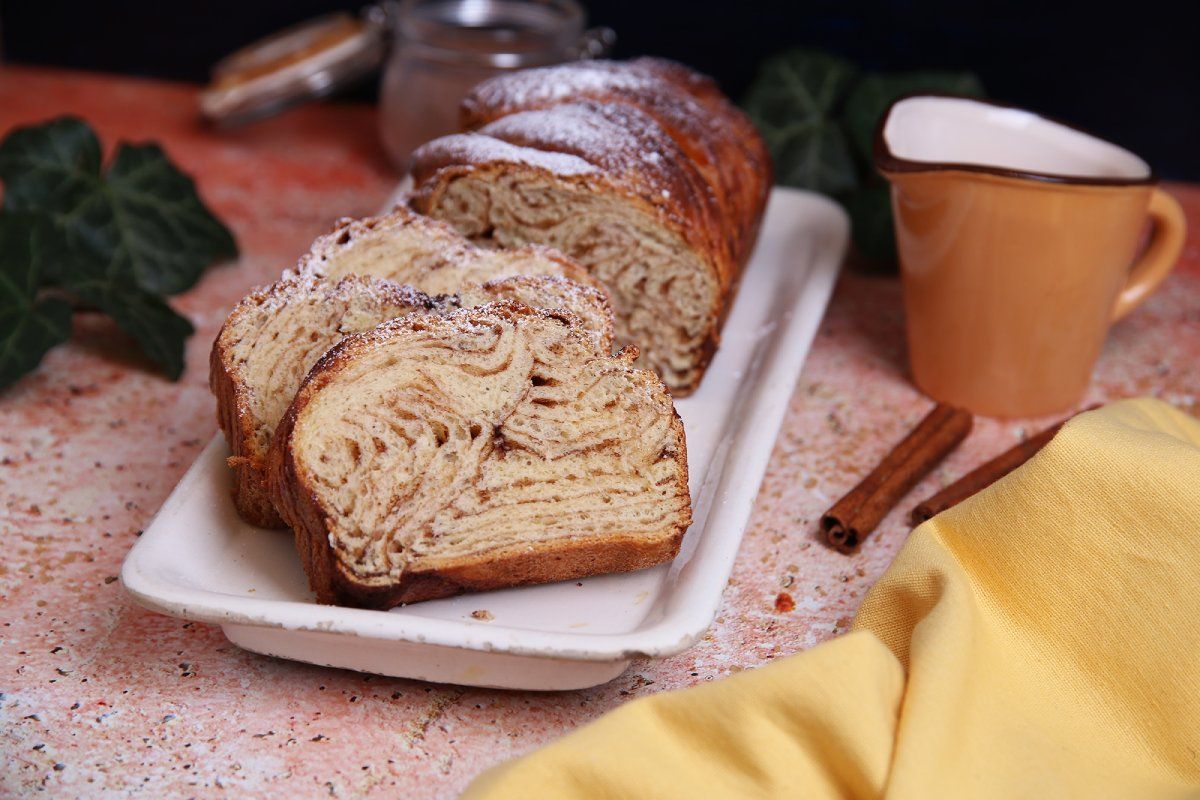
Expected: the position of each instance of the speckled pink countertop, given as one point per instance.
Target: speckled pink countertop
(102, 698)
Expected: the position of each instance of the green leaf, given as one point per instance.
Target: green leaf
(144, 217)
(29, 326)
(798, 84)
(168, 233)
(54, 165)
(160, 332)
(116, 240)
(870, 210)
(874, 93)
(794, 102)
(815, 157)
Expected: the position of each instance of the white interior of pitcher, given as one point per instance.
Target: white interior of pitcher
(946, 130)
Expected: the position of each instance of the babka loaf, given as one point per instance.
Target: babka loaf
(275, 335)
(642, 171)
(486, 448)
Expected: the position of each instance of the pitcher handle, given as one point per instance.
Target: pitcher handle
(1166, 243)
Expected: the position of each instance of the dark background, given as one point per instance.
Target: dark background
(1127, 71)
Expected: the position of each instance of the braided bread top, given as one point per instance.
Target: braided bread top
(719, 139)
(611, 144)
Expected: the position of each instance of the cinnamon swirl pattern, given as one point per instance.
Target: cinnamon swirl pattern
(266, 347)
(408, 248)
(489, 447)
(275, 335)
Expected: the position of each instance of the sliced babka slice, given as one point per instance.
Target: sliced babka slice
(486, 448)
(429, 255)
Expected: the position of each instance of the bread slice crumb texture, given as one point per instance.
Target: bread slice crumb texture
(265, 348)
(466, 447)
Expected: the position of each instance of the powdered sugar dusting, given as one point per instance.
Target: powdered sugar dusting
(476, 148)
(719, 140)
(314, 288)
(433, 239)
(616, 138)
(641, 83)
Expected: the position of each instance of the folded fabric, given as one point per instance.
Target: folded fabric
(1039, 640)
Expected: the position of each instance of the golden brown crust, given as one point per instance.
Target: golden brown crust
(563, 561)
(513, 566)
(248, 491)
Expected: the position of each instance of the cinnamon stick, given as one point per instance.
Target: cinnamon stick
(852, 518)
(987, 474)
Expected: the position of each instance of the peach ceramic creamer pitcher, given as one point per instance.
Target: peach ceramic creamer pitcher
(1018, 239)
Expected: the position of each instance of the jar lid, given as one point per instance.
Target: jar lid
(308, 60)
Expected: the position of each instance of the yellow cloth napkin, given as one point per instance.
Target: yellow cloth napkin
(1040, 640)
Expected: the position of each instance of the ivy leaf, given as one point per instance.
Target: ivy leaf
(870, 210)
(168, 233)
(55, 164)
(143, 216)
(874, 93)
(116, 239)
(794, 102)
(160, 332)
(29, 326)
(798, 83)
(815, 156)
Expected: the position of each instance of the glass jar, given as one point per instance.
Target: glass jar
(441, 48)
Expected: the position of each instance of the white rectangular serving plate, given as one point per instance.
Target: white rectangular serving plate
(197, 560)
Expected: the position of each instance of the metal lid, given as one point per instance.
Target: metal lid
(308, 60)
